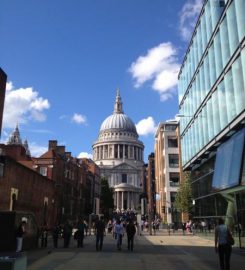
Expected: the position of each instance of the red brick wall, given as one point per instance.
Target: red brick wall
(32, 189)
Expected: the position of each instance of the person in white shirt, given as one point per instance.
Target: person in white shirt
(119, 231)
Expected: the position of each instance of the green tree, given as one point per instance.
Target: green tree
(106, 198)
(183, 200)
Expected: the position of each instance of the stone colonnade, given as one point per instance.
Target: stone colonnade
(124, 200)
(118, 151)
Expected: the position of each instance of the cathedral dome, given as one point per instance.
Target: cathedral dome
(118, 121)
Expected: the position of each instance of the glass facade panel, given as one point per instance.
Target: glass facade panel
(225, 49)
(210, 120)
(232, 28)
(218, 56)
(243, 66)
(228, 162)
(212, 70)
(240, 7)
(222, 105)
(206, 75)
(229, 96)
(216, 116)
(208, 20)
(238, 82)
(228, 100)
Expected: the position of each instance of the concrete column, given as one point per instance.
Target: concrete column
(117, 200)
(122, 199)
(128, 201)
(118, 151)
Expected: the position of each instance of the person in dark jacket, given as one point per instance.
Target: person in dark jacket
(21, 230)
(67, 232)
(100, 232)
(80, 233)
(130, 230)
(55, 235)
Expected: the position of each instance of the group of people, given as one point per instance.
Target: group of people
(118, 229)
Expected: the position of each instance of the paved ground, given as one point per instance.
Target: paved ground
(151, 252)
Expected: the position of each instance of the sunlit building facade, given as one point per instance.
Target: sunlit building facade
(119, 154)
(167, 171)
(212, 109)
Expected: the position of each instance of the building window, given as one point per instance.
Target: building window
(173, 160)
(174, 179)
(124, 178)
(43, 171)
(1, 169)
(170, 127)
(172, 142)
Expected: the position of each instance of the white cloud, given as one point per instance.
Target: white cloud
(23, 105)
(188, 16)
(146, 126)
(85, 155)
(160, 65)
(78, 118)
(37, 150)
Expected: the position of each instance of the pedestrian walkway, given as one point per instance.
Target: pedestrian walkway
(159, 251)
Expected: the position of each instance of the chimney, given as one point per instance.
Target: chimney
(52, 144)
(60, 149)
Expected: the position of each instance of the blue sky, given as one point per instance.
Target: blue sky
(65, 60)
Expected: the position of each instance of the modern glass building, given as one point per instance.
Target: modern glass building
(212, 109)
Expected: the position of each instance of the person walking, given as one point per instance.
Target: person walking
(80, 233)
(221, 245)
(119, 232)
(67, 232)
(55, 235)
(131, 230)
(44, 235)
(21, 230)
(100, 232)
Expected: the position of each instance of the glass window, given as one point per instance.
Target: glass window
(172, 142)
(212, 70)
(124, 178)
(202, 83)
(222, 105)
(232, 28)
(205, 124)
(228, 162)
(216, 116)
(225, 42)
(240, 7)
(208, 20)
(243, 65)
(206, 74)
(229, 95)
(203, 31)
(210, 120)
(239, 91)
(43, 171)
(218, 56)
(173, 160)
(174, 179)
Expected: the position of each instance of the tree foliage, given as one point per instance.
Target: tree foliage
(183, 200)
(106, 197)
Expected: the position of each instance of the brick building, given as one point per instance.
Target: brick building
(54, 186)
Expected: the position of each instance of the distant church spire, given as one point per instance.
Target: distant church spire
(25, 144)
(15, 136)
(118, 104)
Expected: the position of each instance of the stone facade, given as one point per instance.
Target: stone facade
(119, 154)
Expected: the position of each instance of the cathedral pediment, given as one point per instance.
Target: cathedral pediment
(124, 166)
